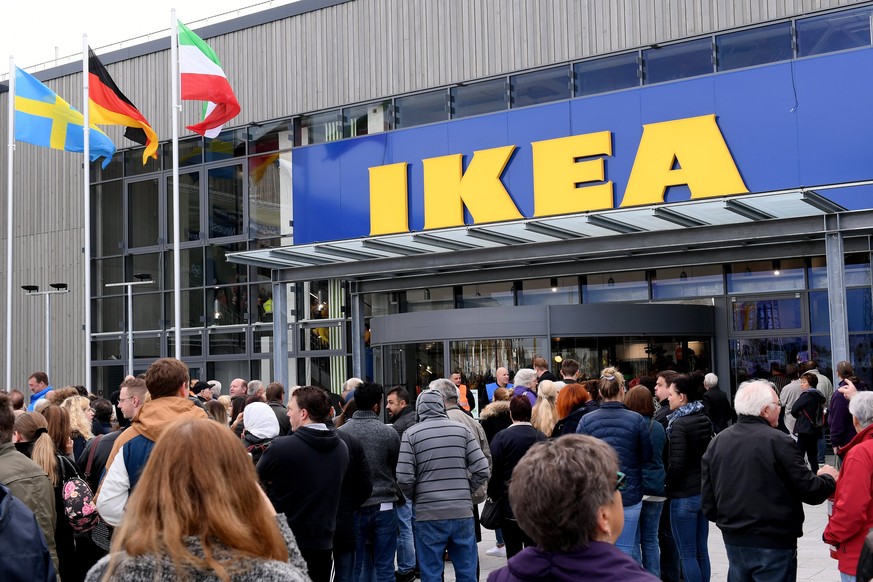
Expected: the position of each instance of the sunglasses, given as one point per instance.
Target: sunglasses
(621, 481)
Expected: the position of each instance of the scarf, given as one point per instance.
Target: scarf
(683, 410)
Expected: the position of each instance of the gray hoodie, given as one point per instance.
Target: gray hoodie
(440, 463)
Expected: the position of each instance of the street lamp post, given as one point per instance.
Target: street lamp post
(33, 290)
(142, 279)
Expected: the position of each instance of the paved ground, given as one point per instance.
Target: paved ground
(813, 559)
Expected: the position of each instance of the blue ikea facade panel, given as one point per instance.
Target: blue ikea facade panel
(803, 123)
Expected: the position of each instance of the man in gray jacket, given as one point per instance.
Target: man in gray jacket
(376, 519)
(440, 465)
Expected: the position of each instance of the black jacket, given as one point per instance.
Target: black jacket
(689, 437)
(569, 423)
(303, 474)
(507, 449)
(717, 406)
(806, 410)
(404, 420)
(754, 483)
(357, 488)
(282, 416)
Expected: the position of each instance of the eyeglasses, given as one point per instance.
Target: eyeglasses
(778, 403)
(120, 400)
(621, 481)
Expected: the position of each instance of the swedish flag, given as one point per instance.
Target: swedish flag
(44, 119)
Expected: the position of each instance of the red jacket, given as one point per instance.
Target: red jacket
(852, 515)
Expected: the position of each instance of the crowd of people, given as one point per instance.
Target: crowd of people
(171, 479)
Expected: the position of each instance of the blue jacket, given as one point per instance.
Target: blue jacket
(25, 555)
(628, 433)
(654, 473)
(37, 396)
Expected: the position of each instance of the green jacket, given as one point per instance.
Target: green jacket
(29, 483)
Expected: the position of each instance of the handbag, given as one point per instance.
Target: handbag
(77, 497)
(492, 514)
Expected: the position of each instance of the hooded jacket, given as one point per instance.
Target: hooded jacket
(598, 561)
(494, 418)
(852, 516)
(25, 554)
(440, 463)
(806, 411)
(303, 475)
(136, 444)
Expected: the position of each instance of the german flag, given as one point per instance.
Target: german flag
(109, 106)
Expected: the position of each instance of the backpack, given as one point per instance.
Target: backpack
(77, 497)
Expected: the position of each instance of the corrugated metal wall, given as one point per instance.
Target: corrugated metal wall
(352, 52)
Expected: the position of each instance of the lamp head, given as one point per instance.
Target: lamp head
(30, 288)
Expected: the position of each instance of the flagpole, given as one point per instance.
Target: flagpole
(177, 259)
(86, 162)
(9, 226)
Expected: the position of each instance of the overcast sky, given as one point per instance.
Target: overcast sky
(36, 32)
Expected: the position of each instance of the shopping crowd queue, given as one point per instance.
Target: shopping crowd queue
(581, 479)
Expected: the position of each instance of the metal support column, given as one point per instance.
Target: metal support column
(280, 331)
(836, 271)
(358, 348)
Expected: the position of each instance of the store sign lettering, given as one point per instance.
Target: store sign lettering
(569, 176)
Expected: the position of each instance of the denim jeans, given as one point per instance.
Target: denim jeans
(456, 536)
(405, 543)
(629, 540)
(761, 564)
(691, 531)
(344, 566)
(498, 535)
(670, 568)
(847, 577)
(375, 544)
(650, 518)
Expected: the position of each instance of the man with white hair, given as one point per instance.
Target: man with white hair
(754, 485)
(256, 388)
(716, 404)
(526, 384)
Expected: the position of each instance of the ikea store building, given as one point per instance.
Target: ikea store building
(414, 187)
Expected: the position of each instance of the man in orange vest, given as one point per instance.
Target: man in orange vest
(466, 400)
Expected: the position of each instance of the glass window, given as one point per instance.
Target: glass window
(110, 349)
(759, 357)
(861, 354)
(678, 61)
(107, 232)
(107, 271)
(856, 272)
(607, 74)
(367, 119)
(189, 207)
(190, 153)
(192, 310)
(833, 32)
(107, 314)
(615, 287)
(146, 346)
(757, 46)
(859, 308)
(227, 145)
(422, 108)
(821, 353)
(540, 86)
(191, 268)
(143, 210)
(192, 345)
(271, 207)
(133, 165)
(113, 171)
(262, 340)
(487, 295)
(757, 276)
(147, 312)
(478, 98)
(225, 191)
(105, 379)
(428, 299)
(223, 343)
(687, 282)
(552, 291)
(272, 136)
(142, 267)
(767, 314)
(321, 336)
(321, 127)
(218, 270)
(228, 305)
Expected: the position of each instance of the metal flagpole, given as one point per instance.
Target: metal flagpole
(9, 226)
(86, 249)
(177, 259)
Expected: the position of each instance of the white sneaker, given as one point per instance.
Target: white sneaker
(498, 551)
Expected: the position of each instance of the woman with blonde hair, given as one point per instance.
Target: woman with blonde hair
(36, 435)
(545, 414)
(81, 417)
(220, 532)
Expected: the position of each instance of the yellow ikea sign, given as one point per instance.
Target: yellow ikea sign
(568, 177)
